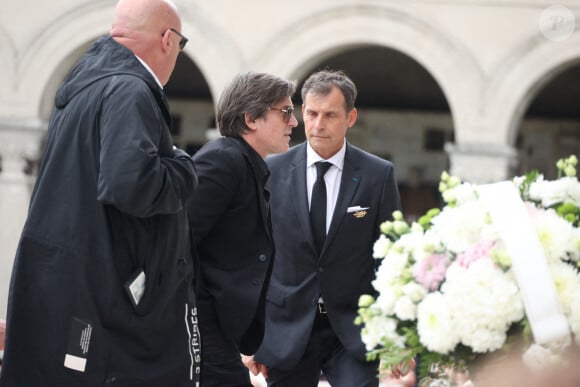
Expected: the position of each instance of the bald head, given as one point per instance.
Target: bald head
(135, 17)
(144, 27)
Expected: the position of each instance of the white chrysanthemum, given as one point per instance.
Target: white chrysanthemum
(414, 291)
(380, 329)
(462, 193)
(435, 324)
(391, 269)
(426, 245)
(405, 309)
(563, 190)
(381, 247)
(459, 194)
(413, 240)
(567, 283)
(420, 245)
(482, 339)
(556, 235)
(386, 300)
(574, 253)
(461, 227)
(484, 302)
(432, 242)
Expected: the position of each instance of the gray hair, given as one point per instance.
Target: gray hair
(251, 93)
(323, 81)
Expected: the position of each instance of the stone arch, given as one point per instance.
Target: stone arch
(211, 48)
(52, 52)
(523, 74)
(324, 34)
(61, 44)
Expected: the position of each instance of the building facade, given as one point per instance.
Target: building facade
(480, 88)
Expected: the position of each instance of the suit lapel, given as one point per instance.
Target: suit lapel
(300, 193)
(349, 184)
(263, 192)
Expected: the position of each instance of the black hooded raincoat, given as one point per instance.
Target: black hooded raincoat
(109, 202)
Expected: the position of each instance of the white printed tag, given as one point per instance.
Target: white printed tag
(79, 341)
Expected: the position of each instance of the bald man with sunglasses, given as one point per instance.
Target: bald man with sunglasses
(102, 285)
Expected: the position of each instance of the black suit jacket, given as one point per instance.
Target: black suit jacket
(229, 216)
(345, 267)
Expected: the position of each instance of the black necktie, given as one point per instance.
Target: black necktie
(318, 205)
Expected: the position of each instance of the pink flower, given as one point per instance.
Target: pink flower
(430, 272)
(476, 252)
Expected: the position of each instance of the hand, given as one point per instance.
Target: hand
(403, 368)
(2, 335)
(255, 367)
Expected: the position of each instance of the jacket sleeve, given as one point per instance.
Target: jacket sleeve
(134, 177)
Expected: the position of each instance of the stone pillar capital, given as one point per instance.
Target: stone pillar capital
(481, 163)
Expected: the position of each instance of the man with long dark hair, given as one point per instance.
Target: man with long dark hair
(230, 217)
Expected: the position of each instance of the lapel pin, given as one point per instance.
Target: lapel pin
(359, 214)
(357, 211)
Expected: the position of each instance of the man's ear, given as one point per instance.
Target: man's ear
(249, 122)
(352, 117)
(166, 42)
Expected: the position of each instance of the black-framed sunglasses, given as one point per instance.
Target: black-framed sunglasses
(287, 112)
(182, 41)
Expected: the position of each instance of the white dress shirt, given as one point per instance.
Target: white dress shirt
(331, 178)
(151, 71)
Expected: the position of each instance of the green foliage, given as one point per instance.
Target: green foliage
(530, 177)
(425, 220)
(569, 212)
(567, 167)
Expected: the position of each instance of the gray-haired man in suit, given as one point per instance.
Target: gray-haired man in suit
(321, 270)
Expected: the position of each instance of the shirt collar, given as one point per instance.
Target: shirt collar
(337, 160)
(150, 71)
(255, 159)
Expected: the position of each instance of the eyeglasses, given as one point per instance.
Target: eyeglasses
(183, 41)
(287, 112)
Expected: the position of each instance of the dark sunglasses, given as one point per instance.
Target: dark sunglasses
(287, 112)
(182, 41)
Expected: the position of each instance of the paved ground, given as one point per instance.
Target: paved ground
(259, 381)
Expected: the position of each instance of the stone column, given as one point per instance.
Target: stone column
(19, 152)
(481, 163)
